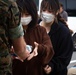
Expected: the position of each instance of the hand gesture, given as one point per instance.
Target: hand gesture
(35, 52)
(15, 56)
(47, 69)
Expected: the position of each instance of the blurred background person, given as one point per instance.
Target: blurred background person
(64, 21)
(62, 12)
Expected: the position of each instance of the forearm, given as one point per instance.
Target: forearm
(21, 53)
(20, 48)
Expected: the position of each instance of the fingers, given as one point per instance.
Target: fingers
(47, 66)
(19, 58)
(36, 44)
(31, 56)
(47, 69)
(35, 51)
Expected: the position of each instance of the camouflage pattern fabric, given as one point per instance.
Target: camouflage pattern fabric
(9, 19)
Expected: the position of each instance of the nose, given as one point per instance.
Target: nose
(46, 11)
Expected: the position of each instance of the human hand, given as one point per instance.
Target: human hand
(34, 53)
(47, 69)
(27, 52)
(18, 58)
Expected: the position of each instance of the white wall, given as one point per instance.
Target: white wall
(39, 6)
(72, 23)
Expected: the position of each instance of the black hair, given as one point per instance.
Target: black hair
(60, 4)
(50, 5)
(30, 7)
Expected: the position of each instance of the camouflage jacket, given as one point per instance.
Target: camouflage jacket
(9, 24)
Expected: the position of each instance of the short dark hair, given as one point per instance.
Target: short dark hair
(30, 7)
(50, 5)
(60, 4)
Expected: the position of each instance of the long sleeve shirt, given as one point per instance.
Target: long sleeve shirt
(63, 48)
(45, 52)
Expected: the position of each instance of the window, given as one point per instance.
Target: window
(37, 4)
(69, 6)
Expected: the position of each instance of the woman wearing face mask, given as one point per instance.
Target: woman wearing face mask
(35, 37)
(60, 36)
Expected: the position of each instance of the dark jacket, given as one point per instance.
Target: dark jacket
(45, 53)
(63, 47)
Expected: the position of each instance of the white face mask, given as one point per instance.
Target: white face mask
(47, 17)
(26, 20)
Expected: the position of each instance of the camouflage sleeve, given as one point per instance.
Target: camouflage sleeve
(16, 32)
(15, 29)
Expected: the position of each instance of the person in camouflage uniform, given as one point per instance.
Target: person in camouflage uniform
(10, 28)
